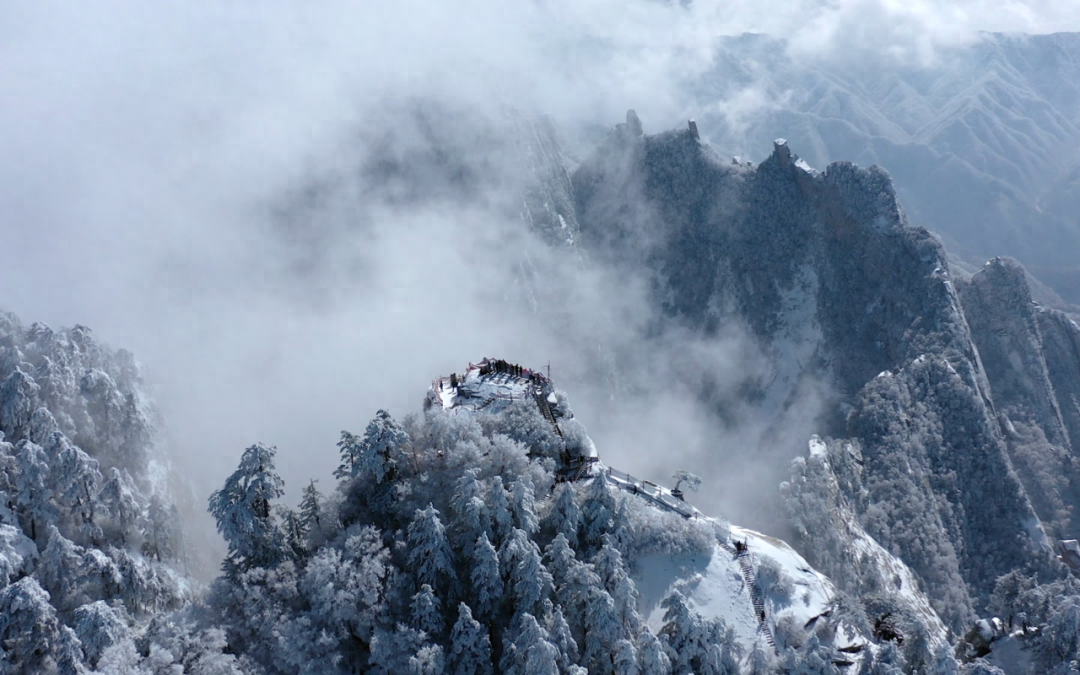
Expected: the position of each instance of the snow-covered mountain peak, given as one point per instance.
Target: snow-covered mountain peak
(759, 587)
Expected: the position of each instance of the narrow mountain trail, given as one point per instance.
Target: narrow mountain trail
(756, 596)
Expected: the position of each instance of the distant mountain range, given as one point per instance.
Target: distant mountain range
(983, 144)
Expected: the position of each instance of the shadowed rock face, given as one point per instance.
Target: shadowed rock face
(830, 277)
(1029, 358)
(983, 144)
(1061, 351)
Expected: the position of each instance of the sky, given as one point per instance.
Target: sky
(188, 179)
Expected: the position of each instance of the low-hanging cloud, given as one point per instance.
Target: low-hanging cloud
(189, 180)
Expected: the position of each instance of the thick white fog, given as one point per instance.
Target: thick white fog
(187, 179)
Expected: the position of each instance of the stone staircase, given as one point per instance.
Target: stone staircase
(547, 412)
(756, 597)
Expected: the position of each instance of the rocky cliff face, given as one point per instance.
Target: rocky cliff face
(944, 384)
(1008, 329)
(982, 143)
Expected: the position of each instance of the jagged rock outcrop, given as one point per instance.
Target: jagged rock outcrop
(548, 199)
(828, 274)
(1061, 351)
(982, 144)
(1007, 328)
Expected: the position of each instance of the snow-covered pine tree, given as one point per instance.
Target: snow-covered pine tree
(32, 638)
(602, 630)
(470, 646)
(652, 658)
(887, 661)
(542, 659)
(59, 570)
(813, 659)
(502, 518)
(430, 557)
(42, 429)
(528, 579)
(944, 663)
(374, 453)
(625, 658)
(392, 649)
(623, 532)
(242, 509)
(558, 558)
(524, 505)
(471, 516)
(1059, 642)
(597, 513)
(523, 637)
(118, 497)
(158, 530)
(292, 531)
(32, 491)
(684, 478)
(7, 469)
(67, 652)
(427, 612)
(573, 594)
(609, 566)
(98, 627)
(683, 634)
(428, 660)
(560, 635)
(565, 516)
(726, 649)
(760, 660)
(18, 554)
(487, 584)
(77, 478)
(346, 588)
(18, 394)
(311, 514)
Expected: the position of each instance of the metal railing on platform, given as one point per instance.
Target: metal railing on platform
(651, 491)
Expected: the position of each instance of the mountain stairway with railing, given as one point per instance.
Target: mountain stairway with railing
(755, 596)
(547, 412)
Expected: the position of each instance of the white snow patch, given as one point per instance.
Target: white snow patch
(714, 587)
(712, 583)
(1010, 654)
(812, 590)
(1035, 531)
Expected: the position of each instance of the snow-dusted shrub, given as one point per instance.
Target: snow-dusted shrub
(17, 553)
(657, 531)
(521, 421)
(773, 580)
(98, 627)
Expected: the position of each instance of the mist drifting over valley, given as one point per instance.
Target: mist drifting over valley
(153, 153)
(295, 215)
